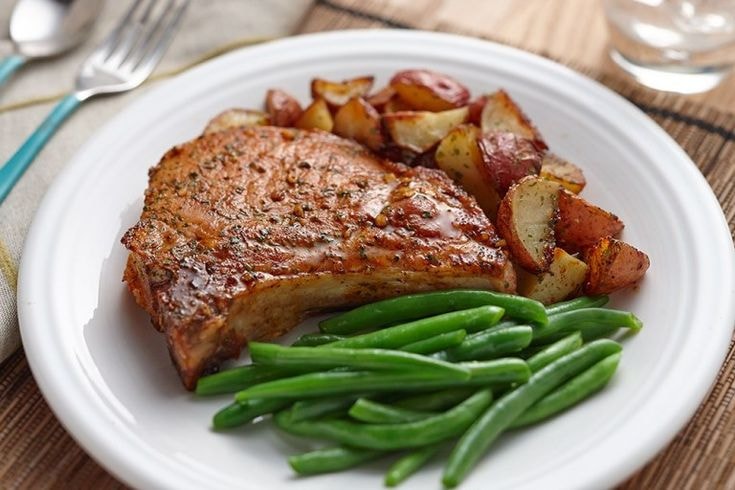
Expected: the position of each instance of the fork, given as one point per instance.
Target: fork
(122, 62)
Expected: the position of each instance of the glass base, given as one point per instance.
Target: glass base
(672, 78)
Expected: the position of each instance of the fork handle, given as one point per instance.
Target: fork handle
(8, 66)
(13, 169)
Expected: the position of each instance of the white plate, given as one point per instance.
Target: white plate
(106, 373)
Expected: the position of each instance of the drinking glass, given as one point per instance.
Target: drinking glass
(684, 46)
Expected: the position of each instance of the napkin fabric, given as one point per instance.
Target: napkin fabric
(210, 27)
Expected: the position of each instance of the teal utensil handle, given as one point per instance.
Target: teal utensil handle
(8, 66)
(13, 169)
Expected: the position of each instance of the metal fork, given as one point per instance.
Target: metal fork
(122, 62)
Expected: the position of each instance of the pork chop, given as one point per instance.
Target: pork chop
(245, 232)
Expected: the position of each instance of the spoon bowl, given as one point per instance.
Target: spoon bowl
(42, 28)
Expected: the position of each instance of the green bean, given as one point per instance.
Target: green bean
(415, 306)
(373, 359)
(595, 332)
(394, 436)
(501, 415)
(409, 464)
(436, 343)
(497, 326)
(331, 459)
(314, 385)
(492, 343)
(570, 393)
(587, 318)
(238, 378)
(318, 407)
(407, 333)
(552, 352)
(332, 383)
(372, 412)
(577, 304)
(237, 414)
(316, 339)
(438, 400)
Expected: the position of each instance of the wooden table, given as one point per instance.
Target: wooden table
(571, 31)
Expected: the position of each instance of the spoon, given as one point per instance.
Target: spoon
(43, 28)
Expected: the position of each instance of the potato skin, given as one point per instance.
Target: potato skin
(284, 110)
(429, 91)
(236, 118)
(564, 172)
(613, 265)
(508, 158)
(475, 108)
(526, 218)
(582, 224)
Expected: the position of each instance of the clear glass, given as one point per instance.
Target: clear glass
(685, 46)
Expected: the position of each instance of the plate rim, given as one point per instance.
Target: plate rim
(123, 465)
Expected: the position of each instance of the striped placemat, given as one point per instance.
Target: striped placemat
(38, 453)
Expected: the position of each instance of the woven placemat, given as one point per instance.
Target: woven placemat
(38, 453)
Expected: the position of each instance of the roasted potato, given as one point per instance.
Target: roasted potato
(613, 265)
(565, 277)
(582, 224)
(396, 104)
(501, 113)
(425, 90)
(380, 98)
(283, 109)
(359, 121)
(337, 94)
(475, 107)
(526, 218)
(420, 130)
(564, 172)
(458, 154)
(235, 118)
(317, 115)
(508, 158)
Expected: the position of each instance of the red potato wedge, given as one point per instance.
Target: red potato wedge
(359, 121)
(316, 116)
(337, 94)
(564, 172)
(236, 118)
(284, 110)
(475, 108)
(420, 130)
(380, 98)
(582, 224)
(565, 277)
(526, 218)
(501, 114)
(508, 158)
(613, 265)
(458, 154)
(426, 90)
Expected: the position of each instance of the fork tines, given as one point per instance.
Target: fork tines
(142, 36)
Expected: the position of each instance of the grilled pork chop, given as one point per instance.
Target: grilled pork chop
(244, 232)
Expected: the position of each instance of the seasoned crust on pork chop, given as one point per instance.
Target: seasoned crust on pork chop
(244, 232)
